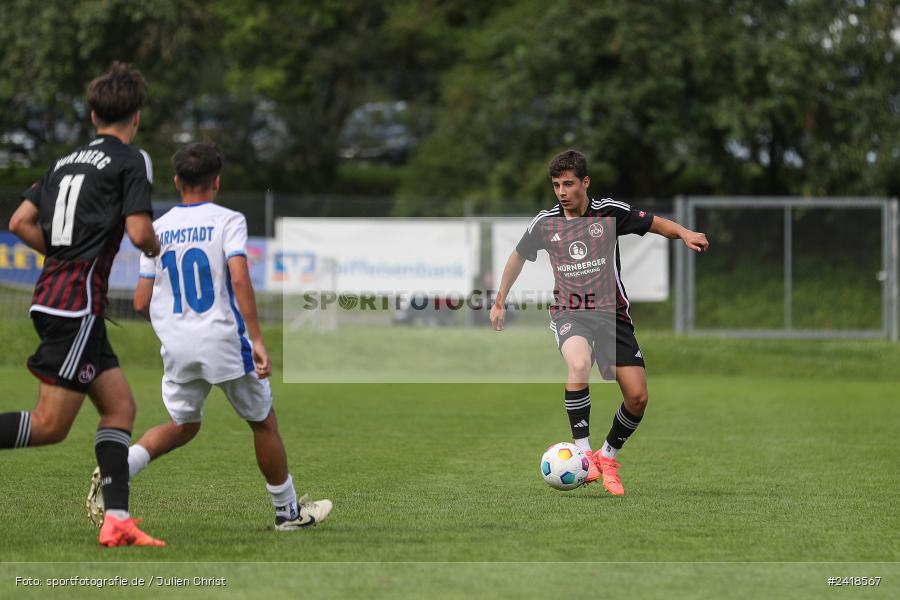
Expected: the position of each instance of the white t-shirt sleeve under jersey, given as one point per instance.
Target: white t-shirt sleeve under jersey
(234, 238)
(148, 267)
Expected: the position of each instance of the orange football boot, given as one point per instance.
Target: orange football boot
(609, 468)
(124, 532)
(593, 471)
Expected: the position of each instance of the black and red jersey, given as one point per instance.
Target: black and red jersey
(83, 200)
(584, 254)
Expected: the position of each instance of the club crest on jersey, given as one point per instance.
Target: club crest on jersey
(577, 250)
(565, 329)
(596, 230)
(87, 373)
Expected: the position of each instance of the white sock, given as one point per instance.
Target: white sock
(583, 443)
(284, 499)
(608, 451)
(121, 515)
(138, 458)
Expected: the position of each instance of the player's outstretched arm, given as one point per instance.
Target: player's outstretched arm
(510, 273)
(246, 301)
(140, 231)
(692, 239)
(25, 223)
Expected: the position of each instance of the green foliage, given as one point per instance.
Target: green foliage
(53, 49)
(271, 82)
(669, 97)
(666, 98)
(372, 180)
(16, 180)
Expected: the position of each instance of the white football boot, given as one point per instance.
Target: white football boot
(94, 503)
(308, 514)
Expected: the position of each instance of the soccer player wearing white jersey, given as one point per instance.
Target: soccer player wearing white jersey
(199, 299)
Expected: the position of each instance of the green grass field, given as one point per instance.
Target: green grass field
(761, 469)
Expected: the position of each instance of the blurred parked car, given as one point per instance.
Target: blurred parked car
(17, 149)
(380, 132)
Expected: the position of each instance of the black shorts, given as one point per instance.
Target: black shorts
(72, 352)
(598, 329)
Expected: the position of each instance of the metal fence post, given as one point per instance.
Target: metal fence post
(270, 214)
(788, 269)
(690, 274)
(679, 271)
(893, 266)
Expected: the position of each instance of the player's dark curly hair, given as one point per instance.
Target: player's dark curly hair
(570, 160)
(198, 164)
(117, 94)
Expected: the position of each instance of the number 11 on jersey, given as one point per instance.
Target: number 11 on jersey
(64, 212)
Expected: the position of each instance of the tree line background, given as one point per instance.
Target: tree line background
(793, 97)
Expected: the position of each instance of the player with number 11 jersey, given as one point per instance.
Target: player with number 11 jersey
(76, 216)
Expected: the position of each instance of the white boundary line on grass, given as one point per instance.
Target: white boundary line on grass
(444, 562)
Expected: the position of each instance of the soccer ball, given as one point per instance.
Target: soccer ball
(564, 466)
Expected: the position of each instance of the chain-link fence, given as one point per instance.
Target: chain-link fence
(790, 267)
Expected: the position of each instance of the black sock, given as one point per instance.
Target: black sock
(623, 425)
(111, 447)
(578, 405)
(15, 429)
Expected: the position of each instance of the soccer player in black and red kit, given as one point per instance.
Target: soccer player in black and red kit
(590, 316)
(76, 216)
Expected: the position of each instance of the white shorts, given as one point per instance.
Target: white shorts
(251, 398)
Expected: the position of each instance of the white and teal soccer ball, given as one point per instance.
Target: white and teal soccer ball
(564, 466)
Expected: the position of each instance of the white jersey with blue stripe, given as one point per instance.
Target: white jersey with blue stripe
(193, 310)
